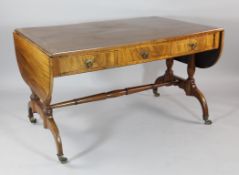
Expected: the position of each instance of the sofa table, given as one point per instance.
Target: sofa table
(44, 53)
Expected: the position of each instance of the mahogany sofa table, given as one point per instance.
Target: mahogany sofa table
(44, 53)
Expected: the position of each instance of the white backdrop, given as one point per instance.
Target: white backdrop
(130, 135)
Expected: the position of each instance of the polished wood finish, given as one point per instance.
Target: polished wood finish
(111, 94)
(36, 106)
(74, 63)
(65, 39)
(187, 85)
(47, 52)
(35, 67)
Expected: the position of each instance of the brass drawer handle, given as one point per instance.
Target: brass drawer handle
(89, 62)
(193, 45)
(144, 54)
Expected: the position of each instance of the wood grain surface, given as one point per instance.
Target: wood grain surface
(35, 67)
(75, 62)
(56, 40)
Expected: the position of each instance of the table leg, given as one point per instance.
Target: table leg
(192, 90)
(56, 134)
(45, 112)
(167, 77)
(188, 85)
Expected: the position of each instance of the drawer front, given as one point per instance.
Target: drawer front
(145, 53)
(195, 44)
(97, 60)
(169, 49)
(87, 62)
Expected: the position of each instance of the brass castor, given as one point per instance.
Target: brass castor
(156, 94)
(208, 122)
(31, 116)
(33, 120)
(62, 159)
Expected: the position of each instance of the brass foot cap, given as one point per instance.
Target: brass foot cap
(62, 159)
(33, 120)
(208, 122)
(156, 94)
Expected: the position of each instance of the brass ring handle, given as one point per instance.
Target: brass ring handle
(144, 54)
(89, 62)
(193, 45)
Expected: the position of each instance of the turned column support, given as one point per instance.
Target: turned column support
(169, 72)
(190, 85)
(167, 77)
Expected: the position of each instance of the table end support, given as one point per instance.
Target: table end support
(188, 85)
(46, 113)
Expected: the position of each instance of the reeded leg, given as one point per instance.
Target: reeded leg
(192, 90)
(168, 76)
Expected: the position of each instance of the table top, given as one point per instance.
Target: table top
(56, 40)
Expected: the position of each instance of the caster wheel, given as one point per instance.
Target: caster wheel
(208, 122)
(33, 120)
(156, 94)
(62, 159)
